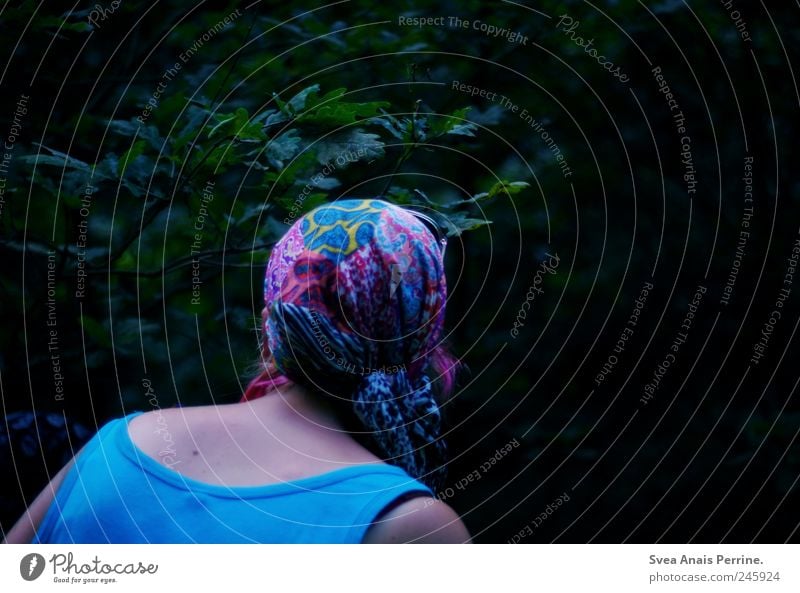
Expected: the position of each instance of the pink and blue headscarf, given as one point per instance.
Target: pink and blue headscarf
(355, 294)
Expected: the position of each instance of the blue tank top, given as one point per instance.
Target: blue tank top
(116, 493)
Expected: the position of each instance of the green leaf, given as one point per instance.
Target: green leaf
(226, 120)
(400, 195)
(330, 97)
(126, 261)
(123, 127)
(329, 109)
(350, 147)
(502, 186)
(263, 116)
(279, 181)
(229, 122)
(108, 167)
(459, 222)
(395, 127)
(249, 213)
(298, 204)
(57, 159)
(131, 128)
(416, 130)
(96, 330)
(251, 133)
(81, 27)
(298, 102)
(239, 125)
(58, 22)
(131, 154)
(283, 148)
(273, 118)
(453, 124)
(320, 182)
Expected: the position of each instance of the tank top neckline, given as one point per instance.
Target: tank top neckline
(310, 483)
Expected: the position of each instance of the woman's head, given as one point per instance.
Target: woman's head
(355, 297)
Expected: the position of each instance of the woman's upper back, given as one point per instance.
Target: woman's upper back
(275, 470)
(278, 438)
(118, 493)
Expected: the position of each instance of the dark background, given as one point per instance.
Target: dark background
(711, 457)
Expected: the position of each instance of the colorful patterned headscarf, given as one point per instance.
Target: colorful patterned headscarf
(355, 294)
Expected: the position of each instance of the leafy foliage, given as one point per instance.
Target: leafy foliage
(150, 179)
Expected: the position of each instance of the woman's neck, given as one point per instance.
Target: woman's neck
(297, 404)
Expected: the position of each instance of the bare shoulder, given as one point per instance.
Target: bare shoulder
(421, 520)
(153, 427)
(26, 527)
